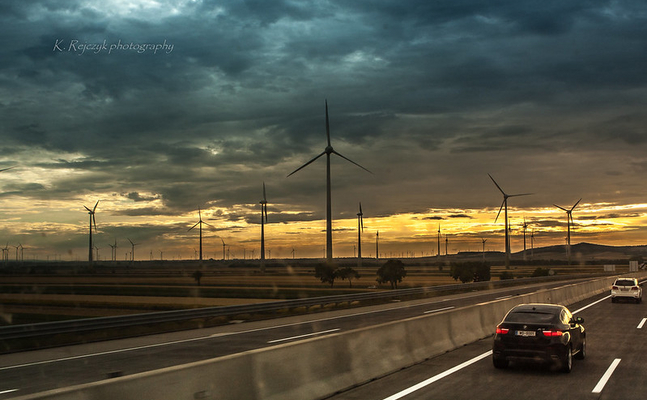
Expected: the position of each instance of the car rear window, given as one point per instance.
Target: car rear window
(530, 317)
(625, 282)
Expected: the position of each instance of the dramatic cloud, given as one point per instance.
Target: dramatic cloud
(161, 108)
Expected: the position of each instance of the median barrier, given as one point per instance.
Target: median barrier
(318, 367)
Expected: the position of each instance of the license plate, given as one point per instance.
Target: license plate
(525, 333)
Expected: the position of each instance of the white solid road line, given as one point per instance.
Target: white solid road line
(9, 391)
(440, 376)
(605, 378)
(439, 310)
(503, 297)
(592, 304)
(640, 325)
(306, 335)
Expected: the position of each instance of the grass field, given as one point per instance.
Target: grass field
(29, 297)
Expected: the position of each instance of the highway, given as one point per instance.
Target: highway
(614, 367)
(36, 371)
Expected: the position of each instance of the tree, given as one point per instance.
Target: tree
(197, 275)
(326, 273)
(393, 272)
(348, 273)
(470, 271)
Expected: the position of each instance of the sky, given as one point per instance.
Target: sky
(159, 109)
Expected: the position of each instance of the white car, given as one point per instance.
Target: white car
(627, 288)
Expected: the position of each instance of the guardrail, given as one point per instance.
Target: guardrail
(93, 324)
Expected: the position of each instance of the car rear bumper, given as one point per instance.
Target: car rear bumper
(630, 294)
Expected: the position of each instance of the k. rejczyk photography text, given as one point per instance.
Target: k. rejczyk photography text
(81, 47)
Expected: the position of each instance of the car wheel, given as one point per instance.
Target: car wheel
(500, 362)
(582, 353)
(567, 361)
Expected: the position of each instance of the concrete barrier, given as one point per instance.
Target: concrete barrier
(319, 367)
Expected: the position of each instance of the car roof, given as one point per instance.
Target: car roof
(539, 307)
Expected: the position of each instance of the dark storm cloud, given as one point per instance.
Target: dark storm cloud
(239, 100)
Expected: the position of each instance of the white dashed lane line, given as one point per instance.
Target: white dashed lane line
(607, 375)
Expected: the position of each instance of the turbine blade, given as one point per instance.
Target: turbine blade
(327, 124)
(265, 208)
(90, 211)
(264, 197)
(499, 213)
(361, 218)
(6, 169)
(349, 160)
(520, 194)
(196, 224)
(497, 185)
(95, 206)
(560, 207)
(306, 164)
(578, 202)
(360, 208)
(94, 221)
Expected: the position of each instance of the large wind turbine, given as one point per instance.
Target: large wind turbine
(200, 222)
(263, 221)
(92, 221)
(328, 151)
(505, 205)
(569, 221)
(360, 229)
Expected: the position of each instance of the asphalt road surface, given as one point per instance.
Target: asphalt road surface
(615, 366)
(608, 326)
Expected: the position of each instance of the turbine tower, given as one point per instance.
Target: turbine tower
(328, 151)
(263, 221)
(92, 221)
(223, 248)
(483, 241)
(377, 245)
(360, 229)
(200, 222)
(525, 226)
(569, 221)
(504, 205)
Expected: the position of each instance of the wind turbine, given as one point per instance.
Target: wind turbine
(200, 222)
(525, 226)
(223, 248)
(263, 221)
(113, 253)
(92, 221)
(360, 229)
(132, 253)
(439, 240)
(505, 205)
(328, 151)
(569, 221)
(483, 240)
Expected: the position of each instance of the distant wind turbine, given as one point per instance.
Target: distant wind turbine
(263, 221)
(224, 246)
(525, 226)
(113, 253)
(200, 222)
(504, 205)
(132, 253)
(569, 221)
(483, 240)
(377, 245)
(92, 221)
(328, 151)
(360, 229)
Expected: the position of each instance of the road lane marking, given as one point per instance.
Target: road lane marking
(438, 377)
(439, 310)
(503, 297)
(303, 336)
(9, 391)
(640, 325)
(607, 375)
(592, 304)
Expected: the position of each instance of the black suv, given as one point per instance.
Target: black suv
(542, 332)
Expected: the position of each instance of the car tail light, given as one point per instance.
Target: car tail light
(553, 333)
(614, 287)
(502, 331)
(635, 288)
